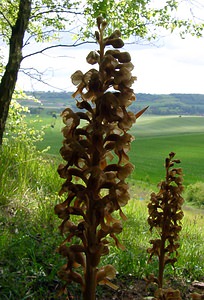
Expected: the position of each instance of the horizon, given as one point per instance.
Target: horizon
(173, 93)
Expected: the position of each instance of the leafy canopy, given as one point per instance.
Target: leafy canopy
(142, 18)
(47, 17)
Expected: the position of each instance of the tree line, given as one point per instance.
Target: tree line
(159, 104)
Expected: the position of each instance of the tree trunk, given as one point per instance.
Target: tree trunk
(10, 75)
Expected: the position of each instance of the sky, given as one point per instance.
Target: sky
(174, 65)
(170, 65)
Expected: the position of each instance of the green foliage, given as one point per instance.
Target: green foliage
(27, 233)
(1, 63)
(142, 18)
(20, 173)
(115, 11)
(138, 18)
(8, 16)
(45, 14)
(191, 254)
(29, 236)
(28, 186)
(20, 158)
(194, 194)
(17, 128)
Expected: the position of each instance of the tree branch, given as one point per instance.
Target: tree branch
(7, 20)
(57, 46)
(56, 11)
(38, 77)
(48, 32)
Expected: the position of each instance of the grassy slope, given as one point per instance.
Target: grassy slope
(155, 137)
(29, 229)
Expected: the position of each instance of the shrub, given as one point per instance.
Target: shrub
(195, 194)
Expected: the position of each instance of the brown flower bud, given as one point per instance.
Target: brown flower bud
(124, 57)
(77, 77)
(97, 35)
(108, 63)
(61, 211)
(125, 171)
(116, 43)
(107, 271)
(115, 34)
(92, 58)
(99, 21)
(117, 227)
(196, 296)
(122, 75)
(104, 24)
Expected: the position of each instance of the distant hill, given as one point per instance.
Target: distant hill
(159, 104)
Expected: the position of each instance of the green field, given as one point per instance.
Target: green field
(155, 137)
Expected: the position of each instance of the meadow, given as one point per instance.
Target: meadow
(29, 186)
(155, 137)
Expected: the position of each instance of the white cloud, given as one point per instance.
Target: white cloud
(176, 67)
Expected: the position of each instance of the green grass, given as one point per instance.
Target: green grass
(28, 227)
(151, 126)
(53, 137)
(29, 238)
(155, 138)
(147, 154)
(136, 236)
(29, 233)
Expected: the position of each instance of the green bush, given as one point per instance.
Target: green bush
(195, 194)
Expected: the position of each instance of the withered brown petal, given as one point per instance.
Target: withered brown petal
(115, 42)
(77, 77)
(93, 58)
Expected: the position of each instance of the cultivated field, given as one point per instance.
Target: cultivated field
(155, 137)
